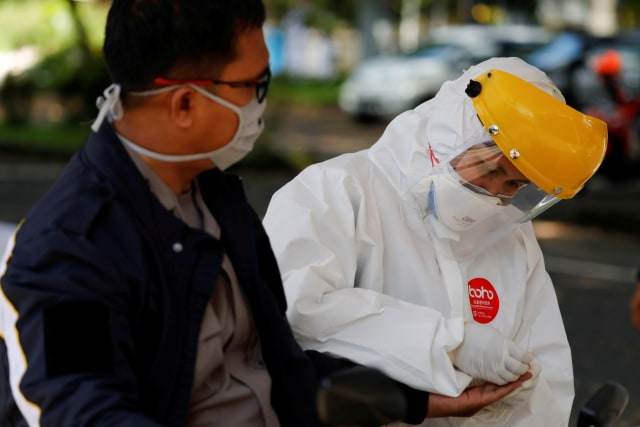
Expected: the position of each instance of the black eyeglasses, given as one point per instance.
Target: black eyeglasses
(261, 85)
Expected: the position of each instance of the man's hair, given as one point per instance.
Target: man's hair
(145, 39)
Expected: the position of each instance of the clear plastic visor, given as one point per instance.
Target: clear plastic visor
(487, 174)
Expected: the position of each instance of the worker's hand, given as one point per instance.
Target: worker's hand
(486, 354)
(471, 400)
(635, 307)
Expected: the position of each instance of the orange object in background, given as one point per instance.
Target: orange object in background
(608, 63)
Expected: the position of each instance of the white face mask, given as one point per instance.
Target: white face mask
(250, 127)
(458, 207)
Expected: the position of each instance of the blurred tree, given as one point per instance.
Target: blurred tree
(70, 73)
(83, 40)
(341, 10)
(375, 25)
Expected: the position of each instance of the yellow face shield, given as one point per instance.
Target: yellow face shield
(555, 146)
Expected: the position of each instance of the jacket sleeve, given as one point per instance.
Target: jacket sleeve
(61, 304)
(319, 227)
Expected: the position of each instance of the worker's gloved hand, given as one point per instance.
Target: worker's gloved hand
(485, 353)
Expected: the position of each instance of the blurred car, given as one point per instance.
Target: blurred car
(384, 86)
(570, 60)
(616, 100)
(563, 57)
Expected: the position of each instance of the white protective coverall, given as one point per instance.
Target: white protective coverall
(369, 278)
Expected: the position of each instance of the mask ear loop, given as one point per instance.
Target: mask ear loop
(108, 103)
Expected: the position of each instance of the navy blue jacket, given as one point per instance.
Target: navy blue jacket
(110, 290)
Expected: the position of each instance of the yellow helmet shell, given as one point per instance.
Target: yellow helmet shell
(555, 146)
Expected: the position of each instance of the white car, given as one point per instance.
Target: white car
(384, 86)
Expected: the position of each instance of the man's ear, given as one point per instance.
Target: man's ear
(181, 107)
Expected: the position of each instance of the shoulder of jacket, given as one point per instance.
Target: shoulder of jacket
(72, 204)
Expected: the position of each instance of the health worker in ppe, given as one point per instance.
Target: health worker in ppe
(417, 256)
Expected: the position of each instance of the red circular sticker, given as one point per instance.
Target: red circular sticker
(483, 299)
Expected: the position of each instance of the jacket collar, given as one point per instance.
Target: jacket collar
(112, 163)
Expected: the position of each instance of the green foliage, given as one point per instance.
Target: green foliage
(51, 141)
(48, 24)
(67, 40)
(71, 75)
(288, 90)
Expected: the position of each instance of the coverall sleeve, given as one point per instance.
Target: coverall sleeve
(59, 310)
(316, 227)
(542, 331)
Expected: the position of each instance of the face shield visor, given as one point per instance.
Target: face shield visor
(553, 145)
(533, 151)
(479, 187)
(477, 196)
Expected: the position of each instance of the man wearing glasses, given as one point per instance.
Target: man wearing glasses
(142, 290)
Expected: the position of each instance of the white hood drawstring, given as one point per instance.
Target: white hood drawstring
(108, 103)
